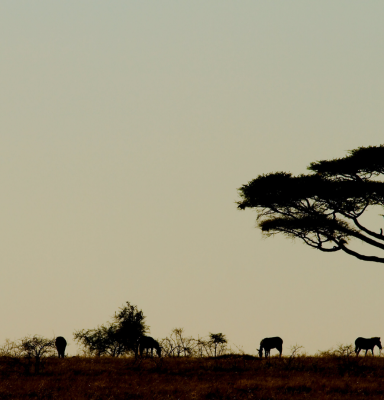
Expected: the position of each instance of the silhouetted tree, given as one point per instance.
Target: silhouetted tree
(130, 326)
(218, 340)
(100, 341)
(117, 337)
(36, 347)
(178, 345)
(322, 208)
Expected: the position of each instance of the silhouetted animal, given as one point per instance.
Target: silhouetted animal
(367, 344)
(149, 343)
(270, 343)
(61, 344)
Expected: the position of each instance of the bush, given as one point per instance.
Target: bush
(36, 347)
(114, 338)
(178, 345)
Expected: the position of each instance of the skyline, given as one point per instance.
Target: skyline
(127, 129)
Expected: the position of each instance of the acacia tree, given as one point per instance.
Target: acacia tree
(37, 347)
(323, 208)
(219, 341)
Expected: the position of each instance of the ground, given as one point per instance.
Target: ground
(232, 377)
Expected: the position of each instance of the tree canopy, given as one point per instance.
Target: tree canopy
(100, 341)
(322, 208)
(130, 326)
(117, 337)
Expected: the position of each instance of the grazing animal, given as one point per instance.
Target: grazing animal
(270, 343)
(148, 343)
(366, 344)
(61, 344)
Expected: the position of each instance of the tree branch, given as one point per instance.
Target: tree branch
(376, 235)
(360, 256)
(329, 250)
(366, 239)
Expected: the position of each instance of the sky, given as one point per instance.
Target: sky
(126, 128)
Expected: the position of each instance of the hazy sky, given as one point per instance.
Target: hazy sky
(126, 129)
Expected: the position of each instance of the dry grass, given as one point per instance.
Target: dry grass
(237, 377)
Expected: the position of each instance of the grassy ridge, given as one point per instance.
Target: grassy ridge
(237, 377)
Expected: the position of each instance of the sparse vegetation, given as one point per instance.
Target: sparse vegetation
(202, 368)
(179, 345)
(30, 348)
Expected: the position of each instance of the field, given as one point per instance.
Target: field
(228, 377)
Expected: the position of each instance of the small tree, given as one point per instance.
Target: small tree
(178, 345)
(129, 321)
(36, 347)
(100, 341)
(219, 342)
(117, 337)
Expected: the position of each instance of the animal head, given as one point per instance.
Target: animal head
(260, 352)
(159, 351)
(378, 343)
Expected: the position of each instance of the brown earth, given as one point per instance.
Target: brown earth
(231, 377)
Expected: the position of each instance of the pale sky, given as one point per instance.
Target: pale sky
(126, 129)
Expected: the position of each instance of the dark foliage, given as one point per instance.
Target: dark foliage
(131, 326)
(117, 337)
(100, 341)
(217, 339)
(323, 208)
(36, 348)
